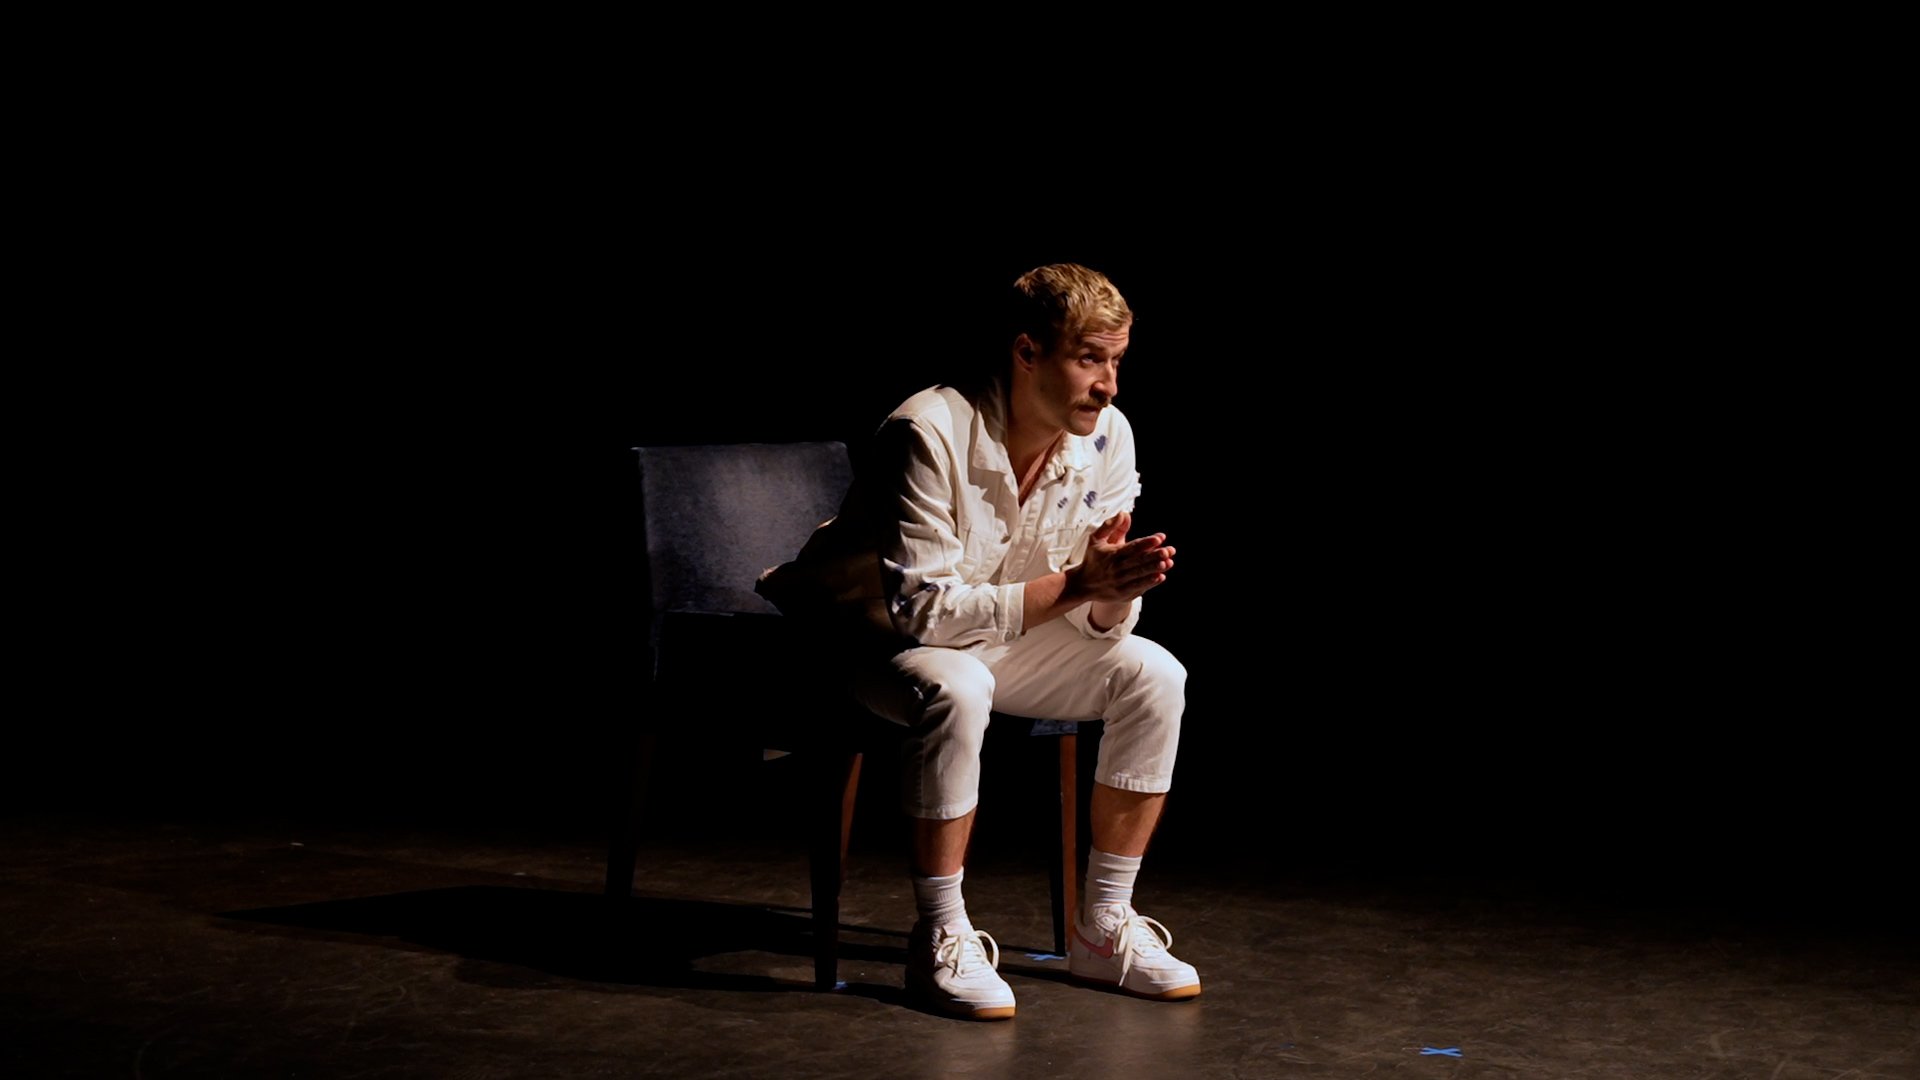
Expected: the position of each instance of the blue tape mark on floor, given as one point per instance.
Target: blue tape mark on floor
(1044, 956)
(1451, 1051)
(841, 985)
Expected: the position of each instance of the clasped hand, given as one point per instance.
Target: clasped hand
(1117, 569)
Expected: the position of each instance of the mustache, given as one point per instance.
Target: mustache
(1092, 403)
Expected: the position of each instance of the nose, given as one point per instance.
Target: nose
(1107, 384)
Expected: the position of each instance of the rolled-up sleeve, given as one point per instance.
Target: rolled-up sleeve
(922, 553)
(1080, 617)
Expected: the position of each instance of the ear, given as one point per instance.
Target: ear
(1025, 352)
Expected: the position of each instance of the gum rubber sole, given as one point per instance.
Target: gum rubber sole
(958, 1011)
(1178, 993)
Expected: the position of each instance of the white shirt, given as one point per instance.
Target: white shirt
(938, 515)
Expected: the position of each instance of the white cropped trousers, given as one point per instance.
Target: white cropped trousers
(946, 696)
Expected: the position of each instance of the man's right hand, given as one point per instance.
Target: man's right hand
(1117, 569)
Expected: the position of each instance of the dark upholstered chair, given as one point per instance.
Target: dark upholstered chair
(714, 518)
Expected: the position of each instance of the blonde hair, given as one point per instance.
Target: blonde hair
(1064, 301)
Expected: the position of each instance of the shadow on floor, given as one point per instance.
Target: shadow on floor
(643, 941)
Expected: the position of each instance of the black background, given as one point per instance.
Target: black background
(1498, 547)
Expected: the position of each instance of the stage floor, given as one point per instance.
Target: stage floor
(253, 950)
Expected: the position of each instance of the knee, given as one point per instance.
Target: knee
(1148, 664)
(955, 685)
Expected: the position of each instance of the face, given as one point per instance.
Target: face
(1068, 386)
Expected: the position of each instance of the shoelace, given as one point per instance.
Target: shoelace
(953, 952)
(1157, 939)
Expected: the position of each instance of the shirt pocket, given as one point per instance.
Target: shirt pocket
(983, 548)
(1063, 529)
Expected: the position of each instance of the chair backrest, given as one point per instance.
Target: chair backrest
(716, 516)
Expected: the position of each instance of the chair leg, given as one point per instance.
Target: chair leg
(1063, 871)
(827, 855)
(624, 836)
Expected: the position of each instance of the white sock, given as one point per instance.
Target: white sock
(1109, 879)
(938, 899)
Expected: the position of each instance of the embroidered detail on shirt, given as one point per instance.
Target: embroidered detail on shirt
(1099, 442)
(926, 586)
(1089, 498)
(904, 600)
(1062, 504)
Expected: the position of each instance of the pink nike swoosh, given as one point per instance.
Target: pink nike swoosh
(1104, 952)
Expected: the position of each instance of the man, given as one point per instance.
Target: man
(982, 562)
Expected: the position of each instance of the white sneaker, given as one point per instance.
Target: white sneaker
(952, 969)
(1124, 949)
